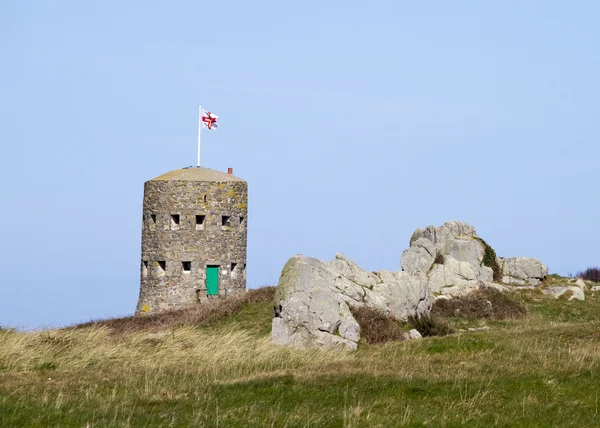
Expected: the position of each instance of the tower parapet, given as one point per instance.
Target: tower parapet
(194, 237)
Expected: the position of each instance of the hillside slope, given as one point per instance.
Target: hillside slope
(221, 370)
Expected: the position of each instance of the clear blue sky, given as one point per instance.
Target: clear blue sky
(353, 122)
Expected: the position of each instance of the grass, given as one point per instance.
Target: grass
(539, 370)
(207, 314)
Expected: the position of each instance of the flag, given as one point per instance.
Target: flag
(209, 120)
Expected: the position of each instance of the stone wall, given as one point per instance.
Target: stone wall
(187, 226)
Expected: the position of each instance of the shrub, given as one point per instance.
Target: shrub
(429, 325)
(439, 259)
(486, 303)
(590, 274)
(377, 327)
(490, 260)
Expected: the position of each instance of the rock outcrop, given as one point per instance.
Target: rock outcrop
(313, 298)
(451, 258)
(522, 271)
(313, 301)
(456, 261)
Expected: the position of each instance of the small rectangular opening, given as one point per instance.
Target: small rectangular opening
(144, 268)
(200, 222)
(242, 221)
(174, 221)
(187, 267)
(152, 221)
(234, 271)
(161, 267)
(225, 220)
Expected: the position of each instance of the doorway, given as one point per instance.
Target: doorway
(212, 280)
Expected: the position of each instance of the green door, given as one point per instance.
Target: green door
(212, 280)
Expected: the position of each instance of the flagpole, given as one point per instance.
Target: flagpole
(199, 130)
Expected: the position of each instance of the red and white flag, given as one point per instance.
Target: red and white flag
(209, 120)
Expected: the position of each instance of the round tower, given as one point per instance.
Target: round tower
(194, 234)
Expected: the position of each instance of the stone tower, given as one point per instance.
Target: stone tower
(193, 238)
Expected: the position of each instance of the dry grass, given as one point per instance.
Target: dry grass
(226, 351)
(206, 314)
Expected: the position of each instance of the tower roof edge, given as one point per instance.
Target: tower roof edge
(196, 174)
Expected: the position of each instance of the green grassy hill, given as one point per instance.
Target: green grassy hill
(215, 366)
